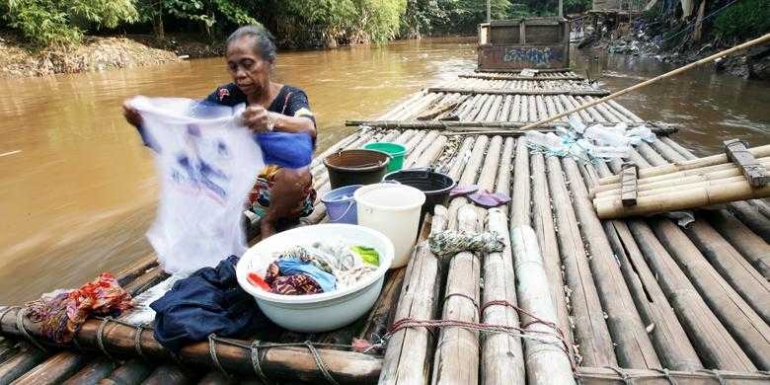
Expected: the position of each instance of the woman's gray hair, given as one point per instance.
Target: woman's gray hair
(263, 40)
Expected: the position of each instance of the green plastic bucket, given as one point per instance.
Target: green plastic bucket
(395, 150)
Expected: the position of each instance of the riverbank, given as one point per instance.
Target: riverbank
(644, 39)
(97, 54)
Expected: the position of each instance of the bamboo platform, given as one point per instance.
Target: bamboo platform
(638, 300)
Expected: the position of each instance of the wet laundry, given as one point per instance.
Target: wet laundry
(209, 301)
(320, 267)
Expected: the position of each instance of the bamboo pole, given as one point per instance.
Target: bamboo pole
(502, 359)
(513, 123)
(513, 77)
(757, 222)
(279, 363)
(503, 181)
(169, 375)
(667, 334)
(469, 177)
(16, 366)
(520, 207)
(741, 238)
(547, 361)
(408, 101)
(750, 245)
(634, 348)
(510, 91)
(740, 47)
(726, 170)
(745, 325)
(687, 183)
(431, 153)
(455, 168)
(381, 316)
(735, 269)
(698, 196)
(758, 152)
(54, 370)
(614, 376)
(457, 353)
(93, 372)
(420, 148)
(542, 220)
(131, 372)
(715, 345)
(410, 351)
(135, 278)
(590, 331)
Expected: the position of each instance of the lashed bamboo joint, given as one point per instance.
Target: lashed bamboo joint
(632, 300)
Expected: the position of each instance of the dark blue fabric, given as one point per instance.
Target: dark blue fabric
(209, 301)
(286, 149)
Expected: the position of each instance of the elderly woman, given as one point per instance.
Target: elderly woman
(281, 193)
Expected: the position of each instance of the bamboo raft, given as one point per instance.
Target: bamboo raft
(571, 298)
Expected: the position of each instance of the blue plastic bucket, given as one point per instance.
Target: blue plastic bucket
(341, 206)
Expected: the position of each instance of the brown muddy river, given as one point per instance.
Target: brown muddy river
(78, 191)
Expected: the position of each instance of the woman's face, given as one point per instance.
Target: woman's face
(250, 72)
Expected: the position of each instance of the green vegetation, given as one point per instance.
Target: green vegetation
(296, 23)
(63, 22)
(743, 20)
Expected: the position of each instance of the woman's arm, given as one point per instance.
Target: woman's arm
(295, 124)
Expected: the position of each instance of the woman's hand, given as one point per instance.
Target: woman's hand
(131, 114)
(258, 119)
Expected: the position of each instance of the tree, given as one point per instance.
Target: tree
(209, 13)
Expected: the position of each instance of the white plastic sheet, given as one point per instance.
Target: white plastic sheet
(207, 165)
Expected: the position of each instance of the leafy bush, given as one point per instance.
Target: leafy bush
(743, 20)
(63, 22)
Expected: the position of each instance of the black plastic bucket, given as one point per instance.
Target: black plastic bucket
(436, 186)
(351, 167)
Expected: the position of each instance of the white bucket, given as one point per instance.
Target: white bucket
(394, 210)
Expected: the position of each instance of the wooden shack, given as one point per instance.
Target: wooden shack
(539, 43)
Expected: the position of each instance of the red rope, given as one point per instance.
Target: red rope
(407, 323)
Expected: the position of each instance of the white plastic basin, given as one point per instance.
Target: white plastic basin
(316, 312)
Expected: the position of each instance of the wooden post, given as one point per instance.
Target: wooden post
(457, 353)
(502, 358)
(591, 333)
(410, 351)
(547, 360)
(634, 348)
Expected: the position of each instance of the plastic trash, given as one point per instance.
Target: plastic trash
(207, 164)
(641, 132)
(577, 124)
(602, 135)
(548, 142)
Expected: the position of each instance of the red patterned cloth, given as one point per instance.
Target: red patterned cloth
(297, 284)
(63, 312)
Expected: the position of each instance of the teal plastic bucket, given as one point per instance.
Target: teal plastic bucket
(395, 150)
